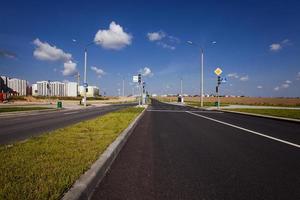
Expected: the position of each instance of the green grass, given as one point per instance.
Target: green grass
(287, 113)
(205, 104)
(45, 167)
(15, 109)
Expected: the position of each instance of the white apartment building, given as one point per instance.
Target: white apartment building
(92, 91)
(17, 85)
(34, 90)
(42, 89)
(71, 89)
(55, 88)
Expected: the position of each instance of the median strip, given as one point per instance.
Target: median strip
(46, 167)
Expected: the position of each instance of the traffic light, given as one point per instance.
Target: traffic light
(219, 80)
(140, 78)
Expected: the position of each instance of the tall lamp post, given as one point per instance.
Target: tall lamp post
(202, 66)
(85, 85)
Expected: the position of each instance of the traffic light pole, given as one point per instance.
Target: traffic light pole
(218, 96)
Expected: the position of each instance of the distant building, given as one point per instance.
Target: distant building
(71, 89)
(55, 88)
(92, 91)
(14, 85)
(42, 88)
(34, 90)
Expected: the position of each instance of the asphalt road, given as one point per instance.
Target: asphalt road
(17, 128)
(175, 154)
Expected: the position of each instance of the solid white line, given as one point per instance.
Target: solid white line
(199, 111)
(69, 113)
(244, 129)
(166, 111)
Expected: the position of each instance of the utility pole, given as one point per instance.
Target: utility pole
(181, 87)
(85, 83)
(202, 65)
(78, 82)
(123, 88)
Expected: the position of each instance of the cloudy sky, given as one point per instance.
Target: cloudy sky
(257, 44)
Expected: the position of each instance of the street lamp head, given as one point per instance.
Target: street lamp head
(214, 42)
(190, 42)
(74, 40)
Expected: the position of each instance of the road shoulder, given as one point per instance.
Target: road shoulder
(85, 185)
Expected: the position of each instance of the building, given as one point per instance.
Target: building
(71, 89)
(92, 91)
(55, 88)
(34, 90)
(42, 88)
(14, 85)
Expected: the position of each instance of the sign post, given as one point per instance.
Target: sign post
(218, 72)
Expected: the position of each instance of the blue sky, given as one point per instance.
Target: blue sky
(258, 44)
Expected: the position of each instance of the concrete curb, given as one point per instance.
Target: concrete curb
(85, 185)
(264, 116)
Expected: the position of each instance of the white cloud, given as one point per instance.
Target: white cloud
(259, 87)
(44, 51)
(275, 47)
(69, 68)
(166, 46)
(163, 39)
(98, 71)
(234, 75)
(298, 76)
(288, 82)
(154, 36)
(285, 85)
(279, 45)
(244, 78)
(113, 38)
(146, 72)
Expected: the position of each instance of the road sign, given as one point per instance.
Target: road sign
(85, 85)
(218, 71)
(135, 79)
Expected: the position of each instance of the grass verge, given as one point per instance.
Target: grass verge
(287, 113)
(45, 167)
(15, 109)
(205, 104)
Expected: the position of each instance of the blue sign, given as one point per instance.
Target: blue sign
(224, 80)
(85, 85)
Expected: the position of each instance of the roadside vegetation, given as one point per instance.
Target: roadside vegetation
(45, 167)
(256, 101)
(16, 109)
(205, 104)
(287, 113)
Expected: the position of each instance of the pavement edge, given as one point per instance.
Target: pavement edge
(84, 187)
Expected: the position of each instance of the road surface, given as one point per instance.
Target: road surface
(17, 128)
(183, 153)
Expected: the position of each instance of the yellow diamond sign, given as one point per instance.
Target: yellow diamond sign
(218, 71)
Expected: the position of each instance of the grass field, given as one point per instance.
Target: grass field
(287, 113)
(15, 109)
(289, 102)
(45, 167)
(206, 104)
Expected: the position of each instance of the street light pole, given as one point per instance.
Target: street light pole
(202, 65)
(85, 84)
(202, 71)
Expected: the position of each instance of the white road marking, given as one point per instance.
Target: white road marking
(199, 111)
(69, 113)
(247, 130)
